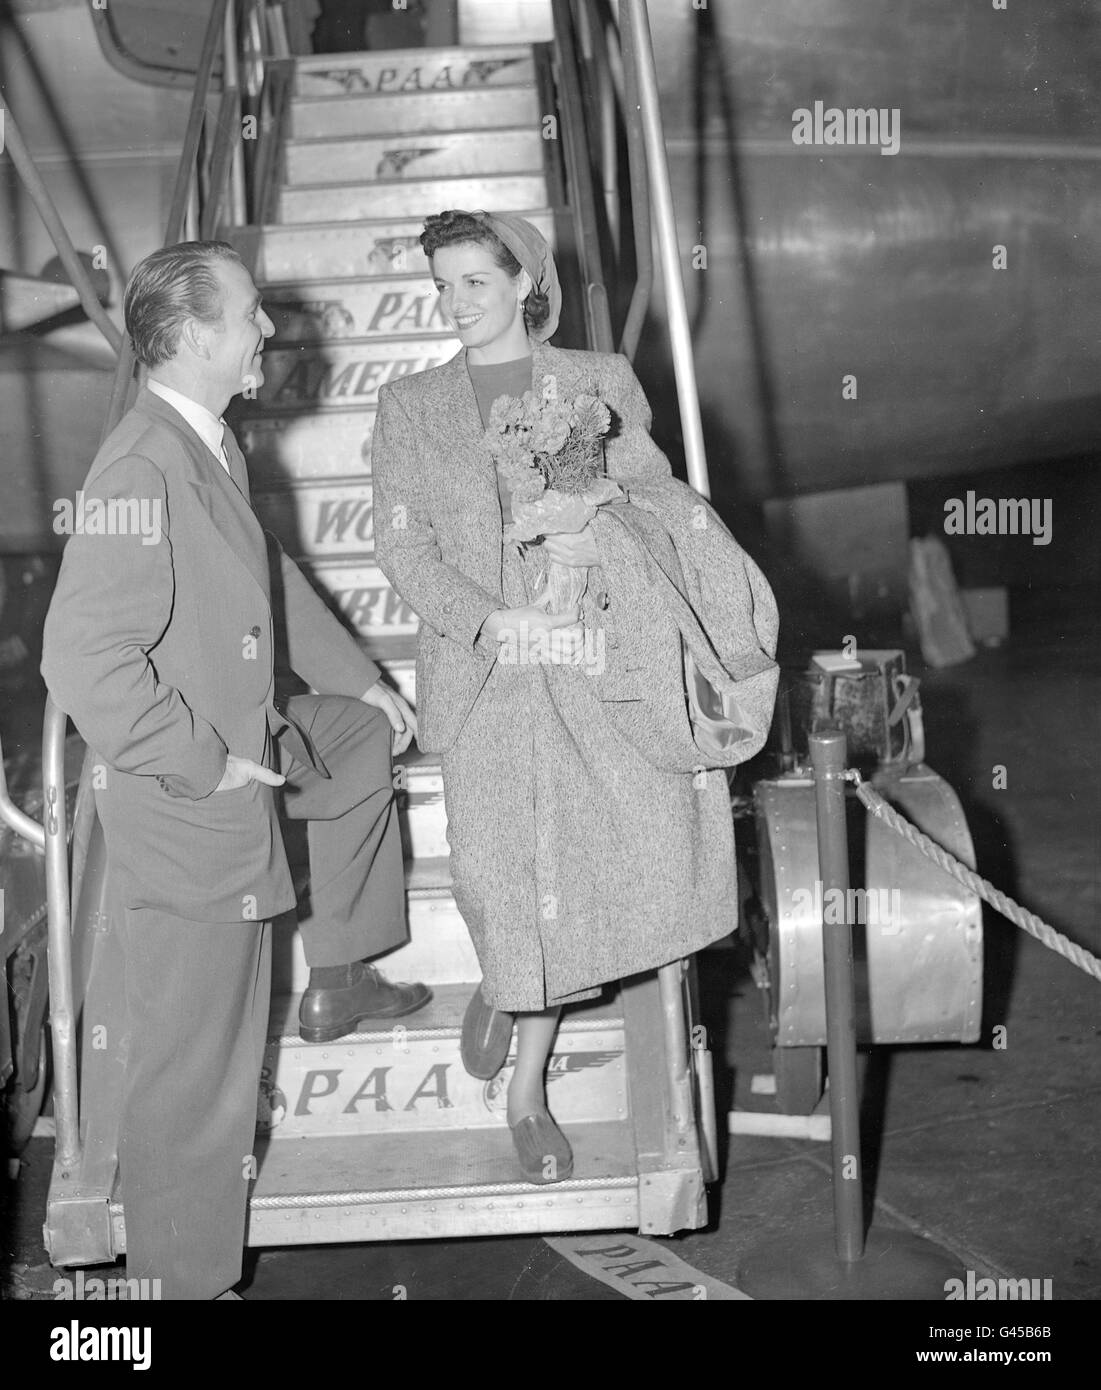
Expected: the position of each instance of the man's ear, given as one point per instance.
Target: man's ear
(195, 336)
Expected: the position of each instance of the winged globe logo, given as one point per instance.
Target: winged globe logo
(495, 1091)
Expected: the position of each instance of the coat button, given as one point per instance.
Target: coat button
(602, 599)
(254, 632)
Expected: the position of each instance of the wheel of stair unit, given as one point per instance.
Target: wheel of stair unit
(798, 1073)
(22, 1107)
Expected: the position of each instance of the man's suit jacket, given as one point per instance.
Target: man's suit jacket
(162, 654)
(438, 516)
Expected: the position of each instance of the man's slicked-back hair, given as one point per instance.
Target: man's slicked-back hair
(169, 287)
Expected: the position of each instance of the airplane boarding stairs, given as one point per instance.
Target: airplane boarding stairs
(383, 1135)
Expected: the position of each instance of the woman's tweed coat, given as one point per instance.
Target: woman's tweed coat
(573, 860)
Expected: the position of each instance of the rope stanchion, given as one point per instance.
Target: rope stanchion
(1018, 915)
(857, 1263)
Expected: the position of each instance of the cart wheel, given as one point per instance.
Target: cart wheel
(22, 1108)
(798, 1072)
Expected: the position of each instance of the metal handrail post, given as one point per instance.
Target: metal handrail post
(59, 955)
(640, 195)
(594, 47)
(662, 197)
(598, 320)
(828, 756)
(46, 208)
(231, 82)
(11, 815)
(674, 1024)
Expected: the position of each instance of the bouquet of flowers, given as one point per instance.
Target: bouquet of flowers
(550, 454)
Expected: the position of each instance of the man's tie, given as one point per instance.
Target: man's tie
(234, 460)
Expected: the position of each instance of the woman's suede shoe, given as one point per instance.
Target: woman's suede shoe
(543, 1150)
(486, 1035)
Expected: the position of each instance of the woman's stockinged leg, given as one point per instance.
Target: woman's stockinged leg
(535, 1034)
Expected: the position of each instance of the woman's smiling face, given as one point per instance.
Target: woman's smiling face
(484, 302)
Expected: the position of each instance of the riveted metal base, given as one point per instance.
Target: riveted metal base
(896, 1265)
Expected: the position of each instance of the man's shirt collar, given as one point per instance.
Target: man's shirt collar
(206, 425)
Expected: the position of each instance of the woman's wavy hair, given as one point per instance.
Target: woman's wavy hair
(461, 229)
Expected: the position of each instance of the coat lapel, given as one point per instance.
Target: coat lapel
(223, 500)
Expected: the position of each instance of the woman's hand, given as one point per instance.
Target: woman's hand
(578, 550)
(531, 635)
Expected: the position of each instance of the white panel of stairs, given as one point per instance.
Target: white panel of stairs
(439, 949)
(397, 1187)
(413, 70)
(422, 810)
(401, 197)
(364, 596)
(374, 246)
(491, 21)
(344, 373)
(355, 159)
(474, 109)
(379, 307)
(296, 448)
(328, 521)
(402, 672)
(408, 1076)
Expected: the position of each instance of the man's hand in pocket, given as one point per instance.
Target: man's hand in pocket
(240, 771)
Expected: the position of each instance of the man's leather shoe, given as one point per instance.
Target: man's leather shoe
(340, 997)
(486, 1035)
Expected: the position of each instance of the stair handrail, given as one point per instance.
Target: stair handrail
(639, 180)
(575, 128)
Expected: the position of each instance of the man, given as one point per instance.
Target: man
(159, 644)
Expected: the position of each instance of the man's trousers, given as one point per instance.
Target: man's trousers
(197, 998)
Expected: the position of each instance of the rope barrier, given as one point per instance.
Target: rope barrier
(1018, 915)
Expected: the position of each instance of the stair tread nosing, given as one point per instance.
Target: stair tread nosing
(441, 1017)
(386, 1166)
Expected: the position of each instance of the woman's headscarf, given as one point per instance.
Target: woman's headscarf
(530, 248)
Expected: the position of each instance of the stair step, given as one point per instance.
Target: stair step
(374, 246)
(333, 519)
(329, 202)
(413, 70)
(422, 811)
(355, 158)
(362, 593)
(327, 376)
(376, 307)
(285, 449)
(408, 1075)
(402, 670)
(439, 950)
(475, 108)
(463, 1183)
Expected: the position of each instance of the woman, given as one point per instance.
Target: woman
(574, 861)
